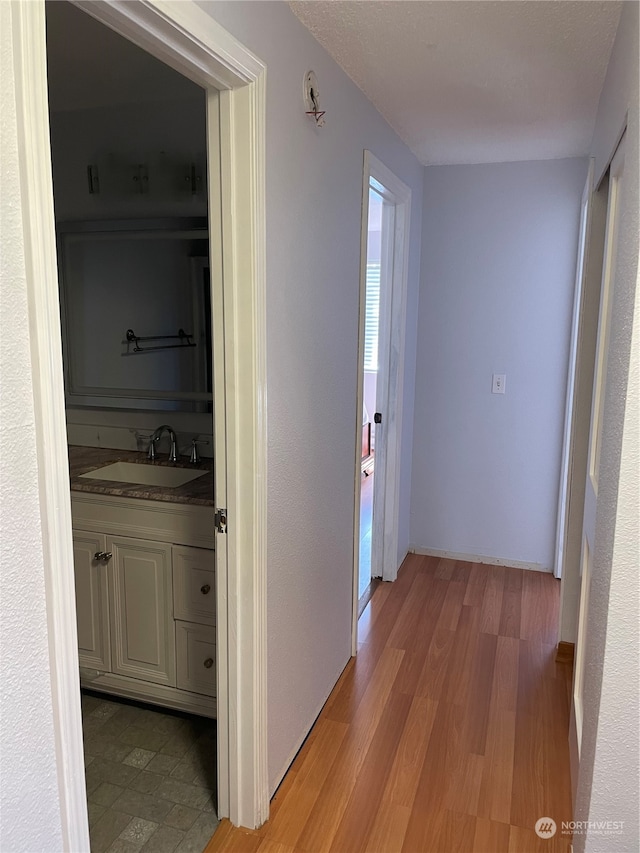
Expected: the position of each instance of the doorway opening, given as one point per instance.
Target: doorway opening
(131, 166)
(386, 204)
(221, 64)
(370, 367)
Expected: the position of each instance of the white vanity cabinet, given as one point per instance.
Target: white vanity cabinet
(145, 600)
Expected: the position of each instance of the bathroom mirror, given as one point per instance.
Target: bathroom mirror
(136, 309)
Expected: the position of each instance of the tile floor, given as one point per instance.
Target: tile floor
(151, 777)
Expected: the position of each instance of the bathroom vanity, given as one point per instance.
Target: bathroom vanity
(145, 578)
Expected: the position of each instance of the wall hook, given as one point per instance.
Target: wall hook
(312, 98)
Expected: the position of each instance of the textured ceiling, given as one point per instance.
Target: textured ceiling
(474, 82)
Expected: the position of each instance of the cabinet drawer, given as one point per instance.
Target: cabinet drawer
(196, 658)
(194, 585)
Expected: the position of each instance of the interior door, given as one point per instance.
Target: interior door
(387, 244)
(567, 448)
(595, 433)
(220, 409)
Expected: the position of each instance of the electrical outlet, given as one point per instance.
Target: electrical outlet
(499, 383)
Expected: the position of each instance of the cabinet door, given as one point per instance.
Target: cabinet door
(196, 650)
(142, 627)
(92, 603)
(194, 585)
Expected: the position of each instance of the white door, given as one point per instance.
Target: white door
(394, 199)
(379, 269)
(595, 434)
(383, 412)
(565, 468)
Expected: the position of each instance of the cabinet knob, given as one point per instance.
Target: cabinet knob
(205, 589)
(208, 663)
(102, 556)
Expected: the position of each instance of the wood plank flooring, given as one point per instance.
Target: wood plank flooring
(448, 731)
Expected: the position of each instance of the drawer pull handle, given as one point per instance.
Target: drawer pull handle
(102, 556)
(208, 663)
(205, 589)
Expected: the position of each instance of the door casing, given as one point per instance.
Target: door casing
(574, 348)
(190, 41)
(593, 459)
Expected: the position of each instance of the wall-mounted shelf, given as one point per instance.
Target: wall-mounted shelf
(132, 338)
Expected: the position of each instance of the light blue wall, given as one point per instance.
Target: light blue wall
(498, 264)
(313, 206)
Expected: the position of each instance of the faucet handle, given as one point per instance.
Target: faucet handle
(194, 458)
(142, 439)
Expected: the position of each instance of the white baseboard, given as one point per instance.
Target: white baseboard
(479, 558)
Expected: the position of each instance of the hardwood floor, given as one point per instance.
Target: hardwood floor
(448, 731)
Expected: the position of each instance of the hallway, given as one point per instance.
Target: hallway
(448, 732)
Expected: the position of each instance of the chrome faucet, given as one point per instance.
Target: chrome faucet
(173, 451)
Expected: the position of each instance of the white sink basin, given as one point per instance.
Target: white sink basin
(144, 475)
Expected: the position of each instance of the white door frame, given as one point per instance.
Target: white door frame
(186, 38)
(593, 464)
(384, 537)
(568, 440)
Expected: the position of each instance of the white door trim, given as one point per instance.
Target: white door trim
(36, 193)
(185, 37)
(400, 195)
(568, 440)
(588, 544)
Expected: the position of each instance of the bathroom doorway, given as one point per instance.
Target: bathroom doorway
(130, 151)
(216, 62)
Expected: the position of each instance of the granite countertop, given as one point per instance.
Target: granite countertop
(84, 459)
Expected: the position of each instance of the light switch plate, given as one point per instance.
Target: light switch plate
(499, 383)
